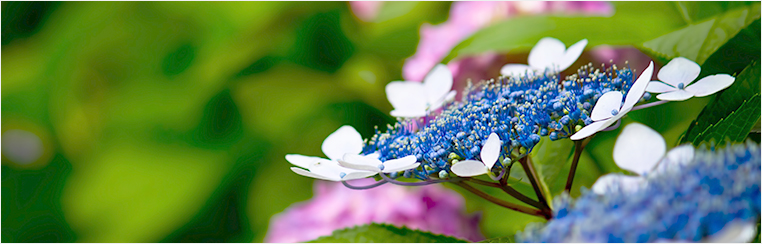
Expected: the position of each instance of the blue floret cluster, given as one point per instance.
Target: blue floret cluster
(520, 110)
(690, 203)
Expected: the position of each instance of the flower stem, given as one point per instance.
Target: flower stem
(508, 189)
(529, 169)
(578, 147)
(381, 182)
(648, 105)
(503, 203)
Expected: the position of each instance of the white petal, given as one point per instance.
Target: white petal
(592, 129)
(301, 160)
(408, 113)
(449, 97)
(710, 84)
(638, 89)
(406, 95)
(571, 55)
(344, 140)
(358, 175)
(400, 164)
(437, 83)
(606, 103)
(514, 69)
(658, 87)
(621, 182)
(679, 70)
(675, 158)
(737, 231)
(491, 150)
(469, 168)
(332, 170)
(677, 95)
(303, 172)
(359, 162)
(639, 148)
(545, 53)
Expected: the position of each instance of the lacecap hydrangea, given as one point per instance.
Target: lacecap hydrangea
(519, 109)
(692, 201)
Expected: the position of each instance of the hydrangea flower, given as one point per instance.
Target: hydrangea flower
(431, 208)
(344, 141)
(371, 163)
(610, 107)
(489, 155)
(412, 99)
(640, 149)
(703, 198)
(548, 53)
(519, 110)
(676, 77)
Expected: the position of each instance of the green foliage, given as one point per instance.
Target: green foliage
(505, 239)
(732, 113)
(736, 54)
(698, 41)
(384, 233)
(633, 22)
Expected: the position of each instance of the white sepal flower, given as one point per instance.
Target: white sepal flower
(412, 99)
(676, 77)
(373, 164)
(344, 141)
(548, 53)
(609, 108)
(489, 155)
(640, 149)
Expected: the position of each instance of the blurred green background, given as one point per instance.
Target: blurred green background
(169, 121)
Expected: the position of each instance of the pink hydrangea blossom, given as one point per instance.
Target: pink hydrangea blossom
(467, 18)
(430, 208)
(365, 10)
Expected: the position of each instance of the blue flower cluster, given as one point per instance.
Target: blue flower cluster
(520, 110)
(688, 204)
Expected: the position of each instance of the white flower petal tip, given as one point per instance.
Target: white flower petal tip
(639, 148)
(656, 86)
(737, 231)
(638, 88)
(710, 85)
(301, 160)
(616, 182)
(400, 164)
(491, 150)
(591, 129)
(514, 69)
(344, 140)
(468, 168)
(679, 70)
(676, 95)
(571, 55)
(412, 99)
(676, 158)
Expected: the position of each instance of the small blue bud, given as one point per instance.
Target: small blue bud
(543, 132)
(342, 174)
(680, 86)
(381, 166)
(553, 136)
(614, 112)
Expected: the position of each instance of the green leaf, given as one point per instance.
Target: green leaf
(505, 239)
(549, 158)
(732, 113)
(630, 24)
(733, 57)
(698, 41)
(383, 233)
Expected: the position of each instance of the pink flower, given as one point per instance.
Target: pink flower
(467, 18)
(366, 10)
(430, 208)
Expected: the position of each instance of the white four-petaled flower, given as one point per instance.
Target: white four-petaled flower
(549, 52)
(676, 77)
(489, 155)
(344, 141)
(373, 164)
(640, 149)
(412, 99)
(609, 108)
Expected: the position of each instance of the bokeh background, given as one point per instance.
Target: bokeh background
(169, 121)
